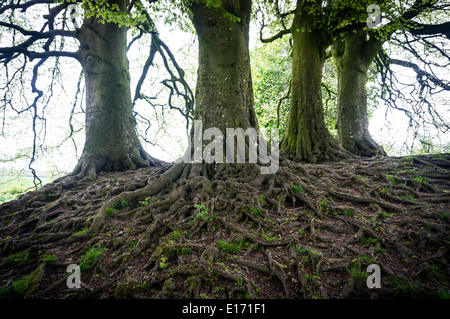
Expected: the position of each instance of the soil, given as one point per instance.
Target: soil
(204, 231)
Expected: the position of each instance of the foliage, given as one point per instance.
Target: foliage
(108, 11)
(19, 258)
(271, 68)
(90, 258)
(231, 247)
(203, 213)
(120, 204)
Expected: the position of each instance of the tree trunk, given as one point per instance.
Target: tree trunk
(224, 92)
(111, 141)
(353, 56)
(306, 136)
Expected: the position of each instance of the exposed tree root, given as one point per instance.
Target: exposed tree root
(227, 231)
(365, 147)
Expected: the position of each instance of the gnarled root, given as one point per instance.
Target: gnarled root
(198, 230)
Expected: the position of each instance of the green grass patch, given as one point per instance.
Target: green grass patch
(49, 258)
(109, 212)
(90, 258)
(231, 247)
(297, 189)
(358, 273)
(367, 240)
(83, 231)
(19, 258)
(203, 213)
(403, 286)
(120, 204)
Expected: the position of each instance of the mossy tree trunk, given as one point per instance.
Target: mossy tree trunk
(111, 142)
(353, 56)
(306, 136)
(224, 93)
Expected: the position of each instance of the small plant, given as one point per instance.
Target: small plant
(420, 180)
(203, 213)
(364, 178)
(366, 260)
(311, 277)
(120, 204)
(403, 286)
(393, 180)
(348, 212)
(232, 248)
(186, 251)
(302, 250)
(368, 240)
(261, 200)
(145, 202)
(109, 212)
(269, 238)
(444, 215)
(438, 271)
(19, 258)
(254, 210)
(239, 282)
(358, 273)
(83, 231)
(443, 294)
(378, 250)
(133, 245)
(163, 262)
(90, 258)
(49, 258)
(22, 286)
(324, 203)
(297, 189)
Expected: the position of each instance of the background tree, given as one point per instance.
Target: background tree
(100, 46)
(355, 52)
(337, 22)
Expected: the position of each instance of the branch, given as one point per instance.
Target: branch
(428, 29)
(419, 72)
(37, 35)
(275, 37)
(7, 54)
(24, 6)
(157, 45)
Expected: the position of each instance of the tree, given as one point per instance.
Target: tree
(306, 136)
(315, 27)
(111, 142)
(354, 53)
(224, 94)
(353, 56)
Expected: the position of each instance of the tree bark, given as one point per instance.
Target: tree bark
(111, 141)
(224, 92)
(306, 136)
(353, 56)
